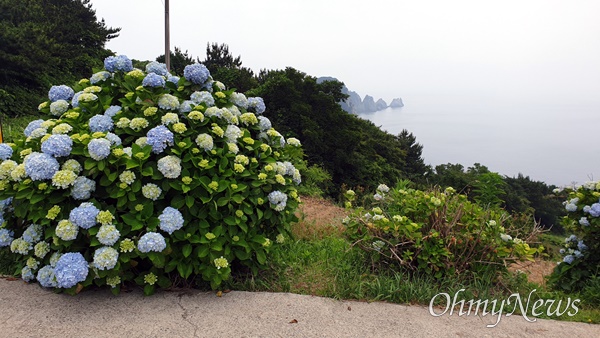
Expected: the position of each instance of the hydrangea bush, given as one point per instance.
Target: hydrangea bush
(581, 252)
(141, 176)
(438, 233)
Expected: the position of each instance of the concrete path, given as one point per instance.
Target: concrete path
(27, 310)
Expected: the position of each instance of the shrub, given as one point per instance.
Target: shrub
(146, 178)
(433, 232)
(581, 251)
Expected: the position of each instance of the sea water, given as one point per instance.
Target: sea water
(554, 142)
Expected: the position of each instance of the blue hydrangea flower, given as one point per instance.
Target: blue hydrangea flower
(595, 210)
(264, 123)
(61, 92)
(40, 166)
(84, 216)
(33, 125)
(75, 100)
(112, 111)
(108, 234)
(571, 238)
(32, 234)
(5, 151)
(83, 188)
(196, 73)
(278, 199)
(70, 269)
(173, 79)
(205, 98)
(256, 104)
(239, 100)
(159, 138)
(58, 107)
(6, 237)
(114, 139)
(105, 258)
(99, 148)
(584, 221)
(26, 274)
(118, 63)
(186, 106)
(170, 220)
(5, 203)
(58, 145)
(168, 102)
(102, 123)
(569, 259)
(99, 77)
(46, 277)
(581, 246)
(152, 241)
(157, 68)
(153, 80)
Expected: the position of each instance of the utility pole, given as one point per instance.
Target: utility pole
(167, 38)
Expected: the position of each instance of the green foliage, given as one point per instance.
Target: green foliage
(581, 251)
(488, 189)
(414, 168)
(517, 195)
(435, 233)
(44, 43)
(315, 181)
(222, 190)
(524, 194)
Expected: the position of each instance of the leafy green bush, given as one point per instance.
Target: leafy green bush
(146, 177)
(581, 252)
(315, 181)
(433, 232)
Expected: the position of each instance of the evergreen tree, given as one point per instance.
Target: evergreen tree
(227, 69)
(44, 43)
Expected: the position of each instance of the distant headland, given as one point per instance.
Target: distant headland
(355, 105)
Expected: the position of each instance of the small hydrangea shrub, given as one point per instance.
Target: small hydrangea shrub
(141, 176)
(581, 252)
(437, 233)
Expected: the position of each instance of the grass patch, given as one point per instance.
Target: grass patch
(12, 128)
(7, 266)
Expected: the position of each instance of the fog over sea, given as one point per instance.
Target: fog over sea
(556, 142)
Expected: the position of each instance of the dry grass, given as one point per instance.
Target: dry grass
(318, 218)
(536, 271)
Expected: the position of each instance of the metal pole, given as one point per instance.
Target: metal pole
(167, 39)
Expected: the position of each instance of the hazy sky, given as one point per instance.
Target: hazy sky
(536, 60)
(535, 49)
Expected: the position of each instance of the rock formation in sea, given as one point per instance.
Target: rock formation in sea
(355, 105)
(397, 103)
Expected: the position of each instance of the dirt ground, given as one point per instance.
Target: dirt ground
(318, 218)
(536, 271)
